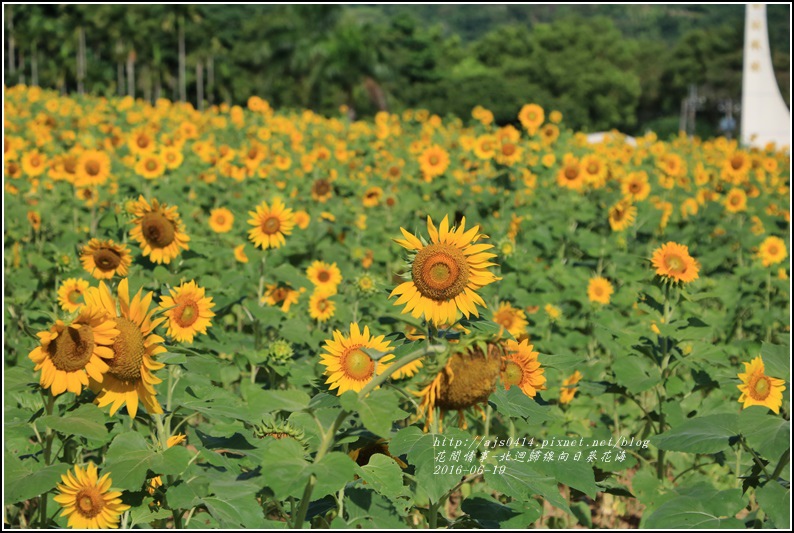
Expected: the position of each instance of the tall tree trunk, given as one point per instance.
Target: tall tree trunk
(211, 80)
(120, 78)
(157, 86)
(34, 63)
(146, 82)
(21, 67)
(200, 85)
(182, 89)
(12, 66)
(80, 60)
(131, 73)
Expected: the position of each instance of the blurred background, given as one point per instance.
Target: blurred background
(630, 67)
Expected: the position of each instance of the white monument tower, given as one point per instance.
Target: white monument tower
(765, 117)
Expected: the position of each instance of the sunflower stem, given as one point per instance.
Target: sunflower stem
(328, 437)
(768, 302)
(50, 435)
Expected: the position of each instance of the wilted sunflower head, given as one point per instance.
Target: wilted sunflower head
(467, 380)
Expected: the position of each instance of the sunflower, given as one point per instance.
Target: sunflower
(570, 175)
(157, 481)
(104, 259)
(568, 391)
(485, 147)
(408, 370)
(348, 367)
(34, 218)
(595, 170)
(522, 368)
(141, 142)
(622, 215)
(70, 354)
(322, 190)
(509, 153)
(70, 295)
(549, 134)
(735, 201)
(758, 388)
(172, 157)
(673, 261)
(221, 220)
(188, 311)
(446, 273)
(93, 168)
(372, 197)
(159, 230)
(467, 380)
(324, 276)
(302, 219)
(531, 117)
(88, 501)
(34, 163)
(513, 319)
(130, 378)
(150, 166)
(271, 224)
(239, 254)
(282, 295)
(433, 162)
(321, 308)
(361, 455)
(772, 251)
(599, 290)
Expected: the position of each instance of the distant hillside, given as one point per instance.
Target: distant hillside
(641, 21)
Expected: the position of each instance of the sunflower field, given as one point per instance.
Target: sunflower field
(255, 318)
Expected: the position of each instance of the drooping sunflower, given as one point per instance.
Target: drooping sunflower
(758, 388)
(188, 311)
(372, 197)
(88, 500)
(467, 380)
(221, 220)
(69, 354)
(70, 294)
(567, 390)
(513, 319)
(281, 295)
(433, 162)
(531, 117)
(599, 290)
(522, 368)
(322, 190)
(321, 307)
(348, 367)
(105, 259)
(446, 273)
(672, 261)
(159, 230)
(130, 378)
(361, 454)
(93, 168)
(239, 254)
(302, 219)
(324, 276)
(772, 251)
(271, 224)
(622, 215)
